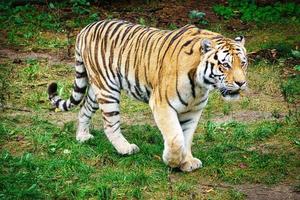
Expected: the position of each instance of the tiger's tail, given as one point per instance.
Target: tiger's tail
(79, 87)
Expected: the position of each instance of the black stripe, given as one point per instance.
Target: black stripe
(202, 101)
(216, 57)
(206, 66)
(135, 95)
(65, 106)
(78, 63)
(99, 71)
(87, 116)
(116, 128)
(107, 32)
(96, 31)
(111, 97)
(57, 103)
(185, 129)
(211, 75)
(91, 108)
(169, 103)
(78, 89)
(106, 68)
(80, 74)
(180, 98)
(73, 101)
(115, 30)
(206, 81)
(110, 114)
(120, 79)
(112, 125)
(185, 121)
(191, 76)
(90, 98)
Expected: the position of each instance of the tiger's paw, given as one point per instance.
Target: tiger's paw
(128, 149)
(190, 165)
(173, 158)
(83, 136)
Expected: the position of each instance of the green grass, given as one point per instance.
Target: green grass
(46, 162)
(291, 89)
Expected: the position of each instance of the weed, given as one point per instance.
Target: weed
(142, 21)
(226, 108)
(198, 16)
(249, 11)
(80, 6)
(235, 195)
(105, 192)
(225, 12)
(209, 131)
(291, 88)
(32, 69)
(245, 102)
(266, 130)
(172, 26)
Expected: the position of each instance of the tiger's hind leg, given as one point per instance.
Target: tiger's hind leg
(89, 107)
(109, 104)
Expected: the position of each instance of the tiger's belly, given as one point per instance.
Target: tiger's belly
(138, 91)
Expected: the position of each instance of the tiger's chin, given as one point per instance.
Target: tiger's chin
(229, 95)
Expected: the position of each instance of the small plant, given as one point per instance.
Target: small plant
(209, 131)
(172, 26)
(194, 14)
(105, 193)
(226, 108)
(32, 69)
(80, 6)
(291, 89)
(250, 12)
(198, 17)
(295, 53)
(245, 102)
(225, 12)
(142, 21)
(266, 130)
(297, 68)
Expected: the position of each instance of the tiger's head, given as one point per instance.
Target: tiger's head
(223, 66)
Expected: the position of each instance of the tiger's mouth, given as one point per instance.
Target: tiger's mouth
(231, 93)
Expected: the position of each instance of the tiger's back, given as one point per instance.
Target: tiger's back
(134, 58)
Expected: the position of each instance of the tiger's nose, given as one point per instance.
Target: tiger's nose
(240, 83)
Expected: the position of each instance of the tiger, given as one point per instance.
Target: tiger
(172, 70)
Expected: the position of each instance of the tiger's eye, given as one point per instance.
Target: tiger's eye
(226, 65)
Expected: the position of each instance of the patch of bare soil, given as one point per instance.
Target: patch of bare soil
(52, 58)
(245, 116)
(17, 145)
(254, 191)
(163, 13)
(262, 192)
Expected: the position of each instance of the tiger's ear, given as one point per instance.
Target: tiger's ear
(240, 39)
(206, 45)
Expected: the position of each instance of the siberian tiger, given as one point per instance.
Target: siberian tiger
(172, 71)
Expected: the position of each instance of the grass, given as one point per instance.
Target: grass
(51, 164)
(40, 158)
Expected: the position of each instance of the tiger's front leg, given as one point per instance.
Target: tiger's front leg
(167, 121)
(188, 122)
